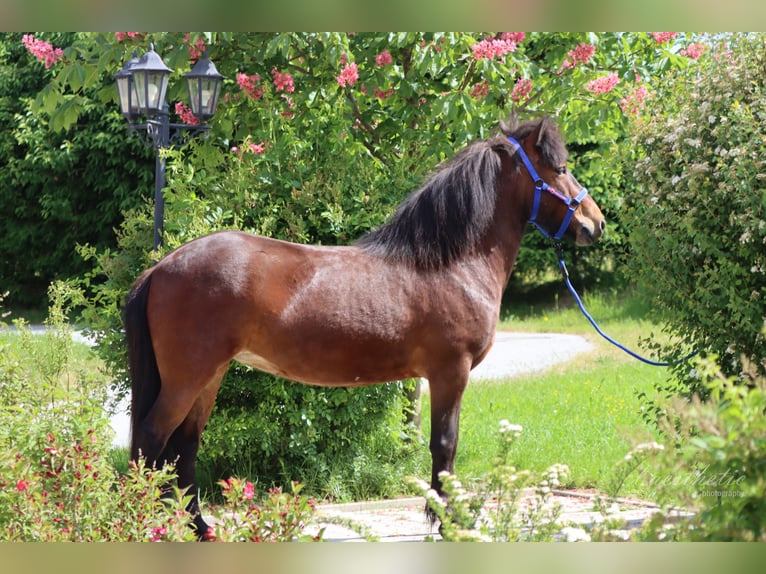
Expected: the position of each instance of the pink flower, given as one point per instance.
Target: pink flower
(662, 37)
(384, 94)
(249, 491)
(249, 84)
(579, 55)
(515, 37)
(158, 533)
(283, 82)
(229, 482)
(195, 50)
(491, 48)
(521, 90)
(603, 84)
(480, 90)
(22, 485)
(693, 51)
(383, 59)
(122, 36)
(257, 149)
(349, 75)
(43, 51)
(186, 115)
(635, 100)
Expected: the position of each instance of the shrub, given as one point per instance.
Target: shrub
(712, 465)
(697, 212)
(56, 479)
(342, 443)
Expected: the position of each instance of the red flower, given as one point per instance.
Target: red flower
(22, 485)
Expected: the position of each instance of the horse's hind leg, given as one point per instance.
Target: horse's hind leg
(171, 430)
(183, 446)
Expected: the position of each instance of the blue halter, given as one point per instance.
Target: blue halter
(572, 203)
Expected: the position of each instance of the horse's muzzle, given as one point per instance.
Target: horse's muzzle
(589, 232)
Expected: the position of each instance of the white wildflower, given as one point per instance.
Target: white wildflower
(571, 534)
(651, 446)
(506, 427)
(699, 168)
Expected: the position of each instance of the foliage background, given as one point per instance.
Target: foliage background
(696, 210)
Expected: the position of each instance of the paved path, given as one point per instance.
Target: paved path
(404, 520)
(522, 353)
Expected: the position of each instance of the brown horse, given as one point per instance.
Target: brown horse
(418, 297)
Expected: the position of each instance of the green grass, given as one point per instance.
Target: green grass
(585, 413)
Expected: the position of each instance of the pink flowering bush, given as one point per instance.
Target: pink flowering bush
(280, 517)
(43, 51)
(197, 48)
(122, 36)
(635, 100)
(480, 90)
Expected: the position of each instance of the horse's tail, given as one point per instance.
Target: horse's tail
(144, 374)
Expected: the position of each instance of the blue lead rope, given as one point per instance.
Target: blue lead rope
(565, 272)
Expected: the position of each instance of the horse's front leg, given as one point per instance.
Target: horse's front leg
(446, 395)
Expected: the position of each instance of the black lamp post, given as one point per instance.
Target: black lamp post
(141, 87)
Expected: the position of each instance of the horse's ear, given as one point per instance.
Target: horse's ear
(534, 140)
(539, 133)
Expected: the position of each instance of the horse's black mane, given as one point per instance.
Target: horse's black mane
(449, 215)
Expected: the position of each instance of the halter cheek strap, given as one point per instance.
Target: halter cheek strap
(572, 203)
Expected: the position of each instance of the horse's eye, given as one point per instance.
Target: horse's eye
(561, 170)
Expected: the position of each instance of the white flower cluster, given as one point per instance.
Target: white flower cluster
(508, 428)
(644, 447)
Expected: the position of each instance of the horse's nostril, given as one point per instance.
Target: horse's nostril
(603, 224)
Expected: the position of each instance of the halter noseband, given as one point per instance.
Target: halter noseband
(572, 203)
